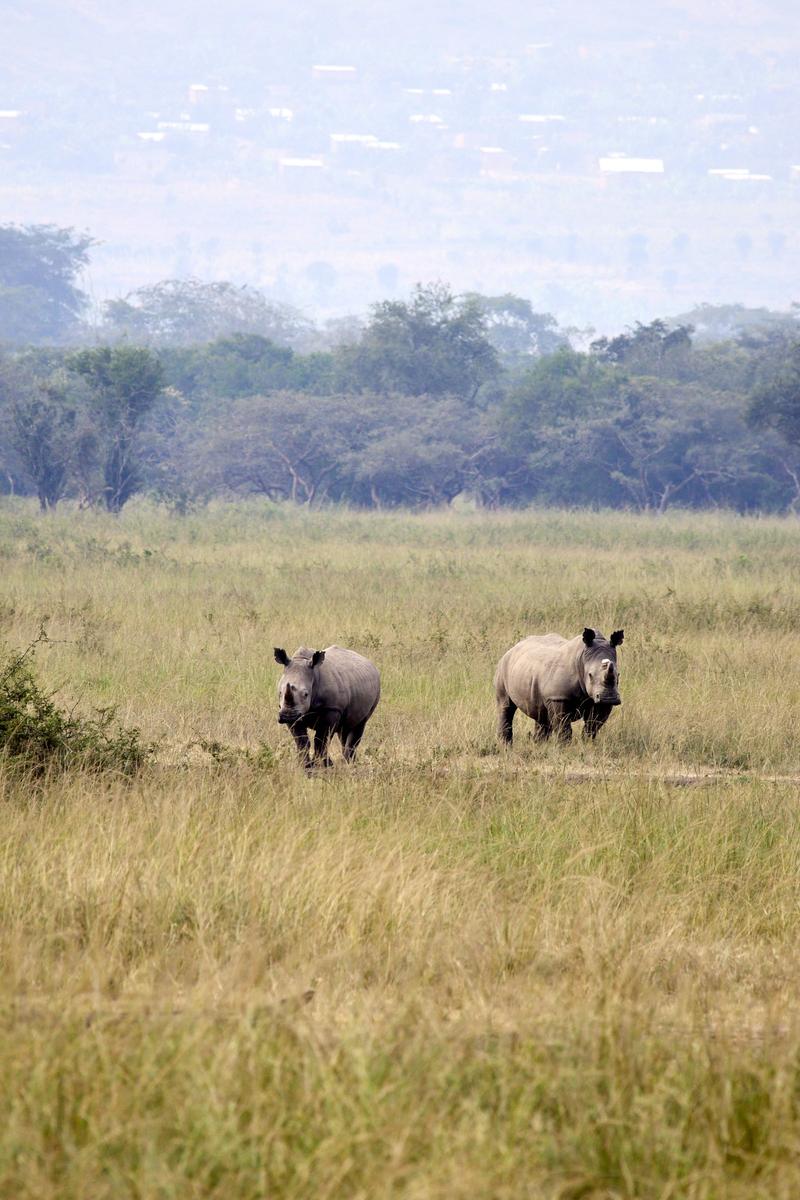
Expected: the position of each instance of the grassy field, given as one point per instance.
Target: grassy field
(451, 971)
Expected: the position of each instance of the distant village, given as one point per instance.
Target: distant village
(522, 170)
(479, 120)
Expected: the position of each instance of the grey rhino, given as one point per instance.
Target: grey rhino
(555, 682)
(325, 692)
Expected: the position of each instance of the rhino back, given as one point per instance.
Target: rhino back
(540, 668)
(348, 682)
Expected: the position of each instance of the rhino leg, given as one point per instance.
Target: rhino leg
(505, 718)
(303, 745)
(595, 719)
(351, 739)
(325, 729)
(559, 719)
(541, 729)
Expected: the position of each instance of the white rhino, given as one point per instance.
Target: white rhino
(325, 692)
(556, 681)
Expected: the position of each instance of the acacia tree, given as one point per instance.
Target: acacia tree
(124, 382)
(285, 445)
(419, 450)
(646, 446)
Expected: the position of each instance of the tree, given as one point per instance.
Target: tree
(339, 331)
(244, 364)
(724, 322)
(515, 330)
(125, 382)
(645, 446)
(776, 404)
(285, 445)
(566, 386)
(592, 432)
(434, 344)
(666, 443)
(542, 417)
(45, 434)
(40, 299)
(46, 430)
(653, 349)
(417, 450)
(43, 426)
(183, 312)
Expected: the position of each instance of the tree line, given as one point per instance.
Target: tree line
(189, 390)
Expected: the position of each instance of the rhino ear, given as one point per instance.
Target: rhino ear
(281, 656)
(589, 636)
(617, 637)
(317, 657)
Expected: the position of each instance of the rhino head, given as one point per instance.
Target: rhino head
(296, 684)
(600, 671)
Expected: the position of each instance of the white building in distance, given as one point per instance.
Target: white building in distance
(624, 164)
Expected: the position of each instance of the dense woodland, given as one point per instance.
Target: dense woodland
(189, 390)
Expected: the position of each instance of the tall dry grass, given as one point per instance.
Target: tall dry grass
(450, 971)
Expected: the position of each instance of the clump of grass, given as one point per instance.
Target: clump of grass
(225, 755)
(36, 735)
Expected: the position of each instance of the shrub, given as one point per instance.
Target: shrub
(36, 735)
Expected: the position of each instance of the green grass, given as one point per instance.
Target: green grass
(544, 972)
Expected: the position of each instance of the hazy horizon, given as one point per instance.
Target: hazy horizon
(608, 164)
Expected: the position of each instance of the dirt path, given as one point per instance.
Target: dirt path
(675, 777)
(171, 757)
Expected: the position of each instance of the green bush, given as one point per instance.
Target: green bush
(36, 735)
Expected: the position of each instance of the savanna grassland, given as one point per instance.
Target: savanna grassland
(450, 971)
